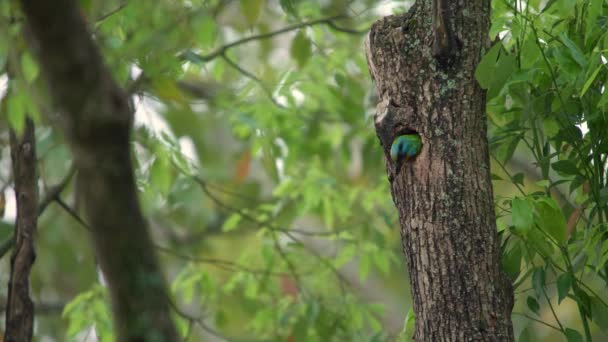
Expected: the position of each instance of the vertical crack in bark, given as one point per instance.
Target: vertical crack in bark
(444, 197)
(445, 44)
(19, 306)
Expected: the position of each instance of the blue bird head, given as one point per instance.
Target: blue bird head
(405, 147)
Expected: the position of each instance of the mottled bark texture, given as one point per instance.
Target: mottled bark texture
(444, 196)
(19, 305)
(97, 121)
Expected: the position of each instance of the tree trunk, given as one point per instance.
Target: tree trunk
(19, 305)
(423, 64)
(97, 120)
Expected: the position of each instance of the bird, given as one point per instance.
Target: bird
(404, 148)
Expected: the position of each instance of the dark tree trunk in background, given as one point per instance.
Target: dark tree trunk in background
(97, 120)
(423, 64)
(19, 305)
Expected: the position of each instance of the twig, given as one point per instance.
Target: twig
(266, 225)
(346, 30)
(198, 320)
(537, 321)
(201, 323)
(222, 50)
(224, 264)
(111, 13)
(72, 212)
(51, 195)
(54, 191)
(252, 77)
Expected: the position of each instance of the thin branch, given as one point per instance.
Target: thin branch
(223, 264)
(51, 195)
(537, 321)
(201, 323)
(252, 77)
(290, 266)
(132, 88)
(72, 213)
(266, 225)
(222, 50)
(53, 192)
(346, 30)
(44, 308)
(504, 169)
(111, 13)
(198, 320)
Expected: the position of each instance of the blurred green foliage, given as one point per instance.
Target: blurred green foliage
(266, 192)
(545, 76)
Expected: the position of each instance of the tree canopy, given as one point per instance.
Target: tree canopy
(263, 183)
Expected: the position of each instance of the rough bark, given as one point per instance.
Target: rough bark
(424, 76)
(19, 305)
(97, 120)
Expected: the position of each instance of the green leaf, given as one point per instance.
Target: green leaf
(289, 7)
(382, 262)
(590, 80)
(160, 174)
(300, 330)
(573, 335)
(506, 151)
(564, 282)
(604, 100)
(538, 281)
(583, 300)
(409, 323)
(16, 111)
(232, 222)
(566, 167)
(494, 69)
(544, 183)
(511, 262)
(205, 29)
(364, 266)
(522, 214)
(551, 127)
(551, 219)
(252, 9)
(182, 325)
(533, 305)
(562, 7)
(29, 67)
(301, 48)
(574, 50)
(594, 9)
(344, 256)
(485, 68)
(518, 178)
(539, 242)
(328, 212)
(530, 53)
(600, 314)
